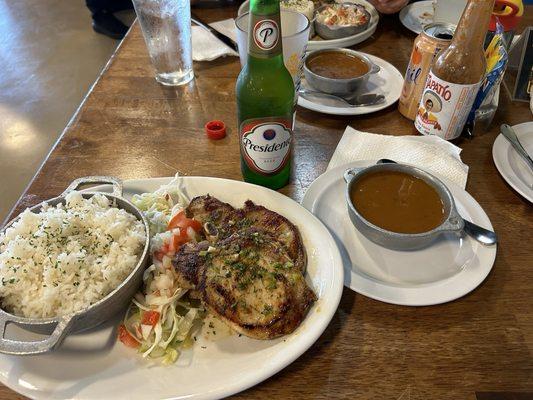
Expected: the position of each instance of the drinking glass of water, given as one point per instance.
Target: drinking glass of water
(166, 27)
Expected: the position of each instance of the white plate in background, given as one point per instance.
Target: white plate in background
(416, 16)
(93, 365)
(446, 270)
(347, 41)
(510, 165)
(388, 81)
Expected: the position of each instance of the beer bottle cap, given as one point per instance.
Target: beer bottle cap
(215, 130)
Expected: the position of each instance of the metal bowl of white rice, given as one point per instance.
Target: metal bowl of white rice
(69, 264)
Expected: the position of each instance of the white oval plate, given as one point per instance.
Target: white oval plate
(510, 165)
(92, 365)
(448, 269)
(388, 81)
(342, 42)
(416, 16)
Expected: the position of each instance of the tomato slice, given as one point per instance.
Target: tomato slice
(125, 337)
(181, 221)
(180, 239)
(150, 318)
(158, 255)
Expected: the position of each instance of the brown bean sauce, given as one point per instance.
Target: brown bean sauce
(397, 202)
(337, 65)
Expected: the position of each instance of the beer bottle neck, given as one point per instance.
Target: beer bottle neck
(264, 7)
(264, 32)
(472, 28)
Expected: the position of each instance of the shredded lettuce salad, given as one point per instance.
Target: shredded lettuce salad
(161, 205)
(161, 316)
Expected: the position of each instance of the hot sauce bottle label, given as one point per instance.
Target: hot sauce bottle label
(265, 39)
(444, 107)
(266, 144)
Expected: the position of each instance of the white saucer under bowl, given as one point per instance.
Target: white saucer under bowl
(388, 81)
(446, 270)
(416, 16)
(317, 43)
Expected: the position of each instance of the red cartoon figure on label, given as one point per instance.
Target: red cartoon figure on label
(431, 106)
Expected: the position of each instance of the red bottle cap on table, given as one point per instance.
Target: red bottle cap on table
(215, 130)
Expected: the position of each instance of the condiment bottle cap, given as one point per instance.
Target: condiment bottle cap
(215, 130)
(508, 13)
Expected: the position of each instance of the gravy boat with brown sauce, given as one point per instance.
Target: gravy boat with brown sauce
(452, 222)
(338, 86)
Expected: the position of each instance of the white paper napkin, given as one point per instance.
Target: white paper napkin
(429, 153)
(227, 27)
(206, 47)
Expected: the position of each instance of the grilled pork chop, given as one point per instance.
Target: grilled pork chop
(206, 209)
(249, 281)
(228, 220)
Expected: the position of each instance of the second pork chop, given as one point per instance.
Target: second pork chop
(249, 281)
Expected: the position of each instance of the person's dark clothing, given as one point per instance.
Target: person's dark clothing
(108, 5)
(104, 21)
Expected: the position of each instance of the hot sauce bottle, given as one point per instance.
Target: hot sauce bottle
(454, 79)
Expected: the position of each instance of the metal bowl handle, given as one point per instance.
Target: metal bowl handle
(374, 69)
(386, 161)
(455, 223)
(20, 348)
(350, 173)
(115, 182)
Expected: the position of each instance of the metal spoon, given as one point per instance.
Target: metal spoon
(482, 235)
(357, 100)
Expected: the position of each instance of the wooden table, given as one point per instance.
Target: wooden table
(479, 346)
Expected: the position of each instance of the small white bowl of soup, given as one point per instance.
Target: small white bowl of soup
(341, 72)
(400, 207)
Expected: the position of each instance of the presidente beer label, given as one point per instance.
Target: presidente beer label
(265, 38)
(266, 144)
(444, 107)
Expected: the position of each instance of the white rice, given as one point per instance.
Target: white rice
(67, 257)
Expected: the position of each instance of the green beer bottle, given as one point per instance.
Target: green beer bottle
(265, 101)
